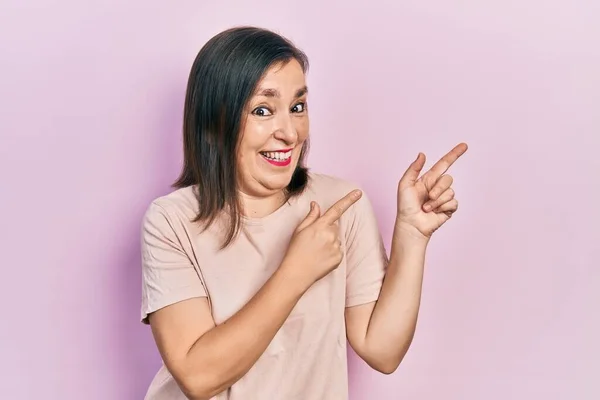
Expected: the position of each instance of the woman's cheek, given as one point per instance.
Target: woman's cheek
(302, 129)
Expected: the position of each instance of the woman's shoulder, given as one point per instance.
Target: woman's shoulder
(178, 204)
(328, 189)
(329, 185)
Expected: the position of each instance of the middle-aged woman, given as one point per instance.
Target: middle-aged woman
(256, 272)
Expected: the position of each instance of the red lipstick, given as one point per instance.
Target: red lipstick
(276, 162)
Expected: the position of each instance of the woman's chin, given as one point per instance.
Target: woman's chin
(277, 181)
(280, 182)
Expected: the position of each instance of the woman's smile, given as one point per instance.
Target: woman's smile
(278, 158)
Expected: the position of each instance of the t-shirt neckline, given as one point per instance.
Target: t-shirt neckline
(253, 221)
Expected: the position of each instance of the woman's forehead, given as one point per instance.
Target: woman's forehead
(282, 79)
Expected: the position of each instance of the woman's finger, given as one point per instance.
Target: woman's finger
(446, 196)
(440, 186)
(412, 172)
(447, 208)
(440, 167)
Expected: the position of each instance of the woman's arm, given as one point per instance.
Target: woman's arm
(381, 332)
(206, 359)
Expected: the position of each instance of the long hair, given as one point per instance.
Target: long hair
(222, 79)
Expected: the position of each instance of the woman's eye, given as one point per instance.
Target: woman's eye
(298, 108)
(261, 111)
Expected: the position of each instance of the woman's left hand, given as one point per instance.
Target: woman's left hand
(425, 203)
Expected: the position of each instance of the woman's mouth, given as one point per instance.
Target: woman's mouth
(279, 158)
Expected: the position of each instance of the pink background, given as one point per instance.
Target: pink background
(90, 116)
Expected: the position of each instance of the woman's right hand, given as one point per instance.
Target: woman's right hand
(316, 248)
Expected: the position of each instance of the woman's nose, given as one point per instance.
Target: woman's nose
(286, 130)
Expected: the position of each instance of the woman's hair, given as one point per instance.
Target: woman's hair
(222, 79)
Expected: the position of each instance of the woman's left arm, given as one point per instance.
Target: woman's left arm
(381, 332)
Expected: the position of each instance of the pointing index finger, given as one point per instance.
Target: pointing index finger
(341, 206)
(440, 167)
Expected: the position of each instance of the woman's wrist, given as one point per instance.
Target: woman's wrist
(293, 277)
(407, 234)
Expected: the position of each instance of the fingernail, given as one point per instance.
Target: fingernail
(427, 207)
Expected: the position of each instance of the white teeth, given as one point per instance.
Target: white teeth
(277, 155)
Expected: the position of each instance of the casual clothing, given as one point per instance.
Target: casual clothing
(306, 360)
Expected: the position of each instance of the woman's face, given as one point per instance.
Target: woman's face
(274, 128)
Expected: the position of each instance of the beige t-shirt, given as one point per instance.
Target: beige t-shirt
(306, 359)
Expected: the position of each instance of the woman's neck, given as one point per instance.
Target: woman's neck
(259, 207)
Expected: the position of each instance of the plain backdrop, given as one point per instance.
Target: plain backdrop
(91, 98)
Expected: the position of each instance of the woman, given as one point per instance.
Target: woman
(255, 270)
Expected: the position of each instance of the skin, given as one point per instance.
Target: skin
(381, 332)
(206, 359)
(276, 119)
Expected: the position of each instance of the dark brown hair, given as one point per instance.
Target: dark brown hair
(222, 79)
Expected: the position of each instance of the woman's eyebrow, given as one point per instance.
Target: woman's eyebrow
(267, 92)
(302, 91)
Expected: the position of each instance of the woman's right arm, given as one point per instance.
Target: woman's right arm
(206, 359)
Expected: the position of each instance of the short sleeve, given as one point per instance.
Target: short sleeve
(366, 258)
(168, 275)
